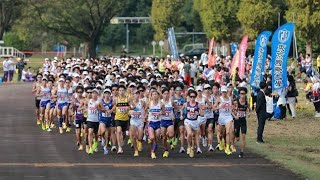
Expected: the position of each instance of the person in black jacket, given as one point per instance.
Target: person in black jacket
(261, 110)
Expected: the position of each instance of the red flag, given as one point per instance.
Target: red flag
(211, 58)
(242, 56)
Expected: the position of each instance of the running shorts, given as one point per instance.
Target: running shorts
(61, 105)
(193, 124)
(122, 124)
(94, 126)
(166, 123)
(44, 103)
(240, 125)
(154, 125)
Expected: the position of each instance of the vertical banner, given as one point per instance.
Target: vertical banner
(234, 63)
(242, 56)
(260, 54)
(173, 43)
(281, 42)
(211, 57)
(234, 48)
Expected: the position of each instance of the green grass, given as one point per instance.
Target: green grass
(293, 143)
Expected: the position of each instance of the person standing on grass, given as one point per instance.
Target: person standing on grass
(11, 70)
(5, 70)
(261, 110)
(20, 66)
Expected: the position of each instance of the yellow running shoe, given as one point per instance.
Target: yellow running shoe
(188, 150)
(81, 134)
(43, 126)
(47, 126)
(149, 141)
(136, 153)
(52, 126)
(153, 155)
(233, 148)
(191, 152)
(90, 151)
(129, 141)
(80, 147)
(227, 150)
(172, 147)
(68, 130)
(165, 154)
(221, 147)
(60, 130)
(64, 125)
(38, 122)
(139, 146)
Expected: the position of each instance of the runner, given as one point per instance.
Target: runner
(61, 94)
(179, 100)
(240, 123)
(208, 114)
(79, 105)
(45, 95)
(202, 120)
(35, 88)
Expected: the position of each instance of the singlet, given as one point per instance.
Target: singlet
(122, 110)
(168, 111)
(202, 102)
(162, 67)
(62, 95)
(208, 113)
(136, 113)
(78, 114)
(38, 85)
(46, 67)
(108, 106)
(192, 111)
(93, 113)
(225, 107)
(242, 110)
(179, 102)
(69, 95)
(46, 93)
(154, 112)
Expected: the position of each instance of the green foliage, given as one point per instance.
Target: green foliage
(11, 39)
(307, 18)
(256, 16)
(218, 17)
(165, 14)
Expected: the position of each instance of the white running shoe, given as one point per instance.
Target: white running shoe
(210, 148)
(199, 151)
(204, 142)
(182, 150)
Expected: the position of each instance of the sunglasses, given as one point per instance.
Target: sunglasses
(192, 96)
(89, 92)
(207, 89)
(243, 93)
(79, 92)
(141, 90)
(114, 89)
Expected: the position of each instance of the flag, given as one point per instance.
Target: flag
(211, 57)
(234, 63)
(242, 56)
(173, 43)
(281, 42)
(260, 54)
(234, 48)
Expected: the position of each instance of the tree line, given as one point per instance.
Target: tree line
(88, 21)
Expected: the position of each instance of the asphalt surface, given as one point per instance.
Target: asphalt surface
(26, 152)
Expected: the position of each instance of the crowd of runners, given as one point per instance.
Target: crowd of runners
(178, 104)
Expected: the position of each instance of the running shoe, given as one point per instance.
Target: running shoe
(105, 150)
(182, 150)
(114, 148)
(38, 122)
(87, 149)
(81, 134)
(172, 147)
(120, 151)
(175, 141)
(204, 142)
(210, 148)
(144, 138)
(52, 126)
(60, 130)
(64, 125)
(110, 144)
(233, 148)
(217, 146)
(80, 147)
(165, 154)
(191, 152)
(139, 146)
(227, 150)
(47, 126)
(49, 130)
(188, 150)
(241, 155)
(68, 130)
(221, 147)
(169, 140)
(95, 146)
(153, 155)
(90, 151)
(149, 141)
(129, 141)
(199, 151)
(103, 142)
(43, 126)
(136, 153)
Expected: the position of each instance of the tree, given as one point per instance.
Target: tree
(306, 15)
(164, 14)
(84, 19)
(9, 12)
(218, 17)
(256, 16)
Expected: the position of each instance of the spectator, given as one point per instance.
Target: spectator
(20, 66)
(5, 70)
(292, 93)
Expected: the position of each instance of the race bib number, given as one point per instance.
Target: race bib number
(105, 115)
(156, 116)
(241, 114)
(122, 110)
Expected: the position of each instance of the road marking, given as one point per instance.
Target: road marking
(65, 164)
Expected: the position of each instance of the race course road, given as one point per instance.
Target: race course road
(26, 152)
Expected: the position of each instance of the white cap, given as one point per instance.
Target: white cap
(109, 67)
(95, 90)
(61, 79)
(170, 76)
(158, 75)
(224, 89)
(55, 58)
(133, 84)
(144, 81)
(85, 72)
(76, 75)
(124, 69)
(107, 90)
(206, 86)
(199, 88)
(118, 76)
(46, 59)
(122, 80)
(190, 88)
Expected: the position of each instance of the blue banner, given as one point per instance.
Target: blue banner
(281, 42)
(173, 43)
(260, 54)
(234, 48)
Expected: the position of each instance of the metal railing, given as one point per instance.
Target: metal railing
(11, 52)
